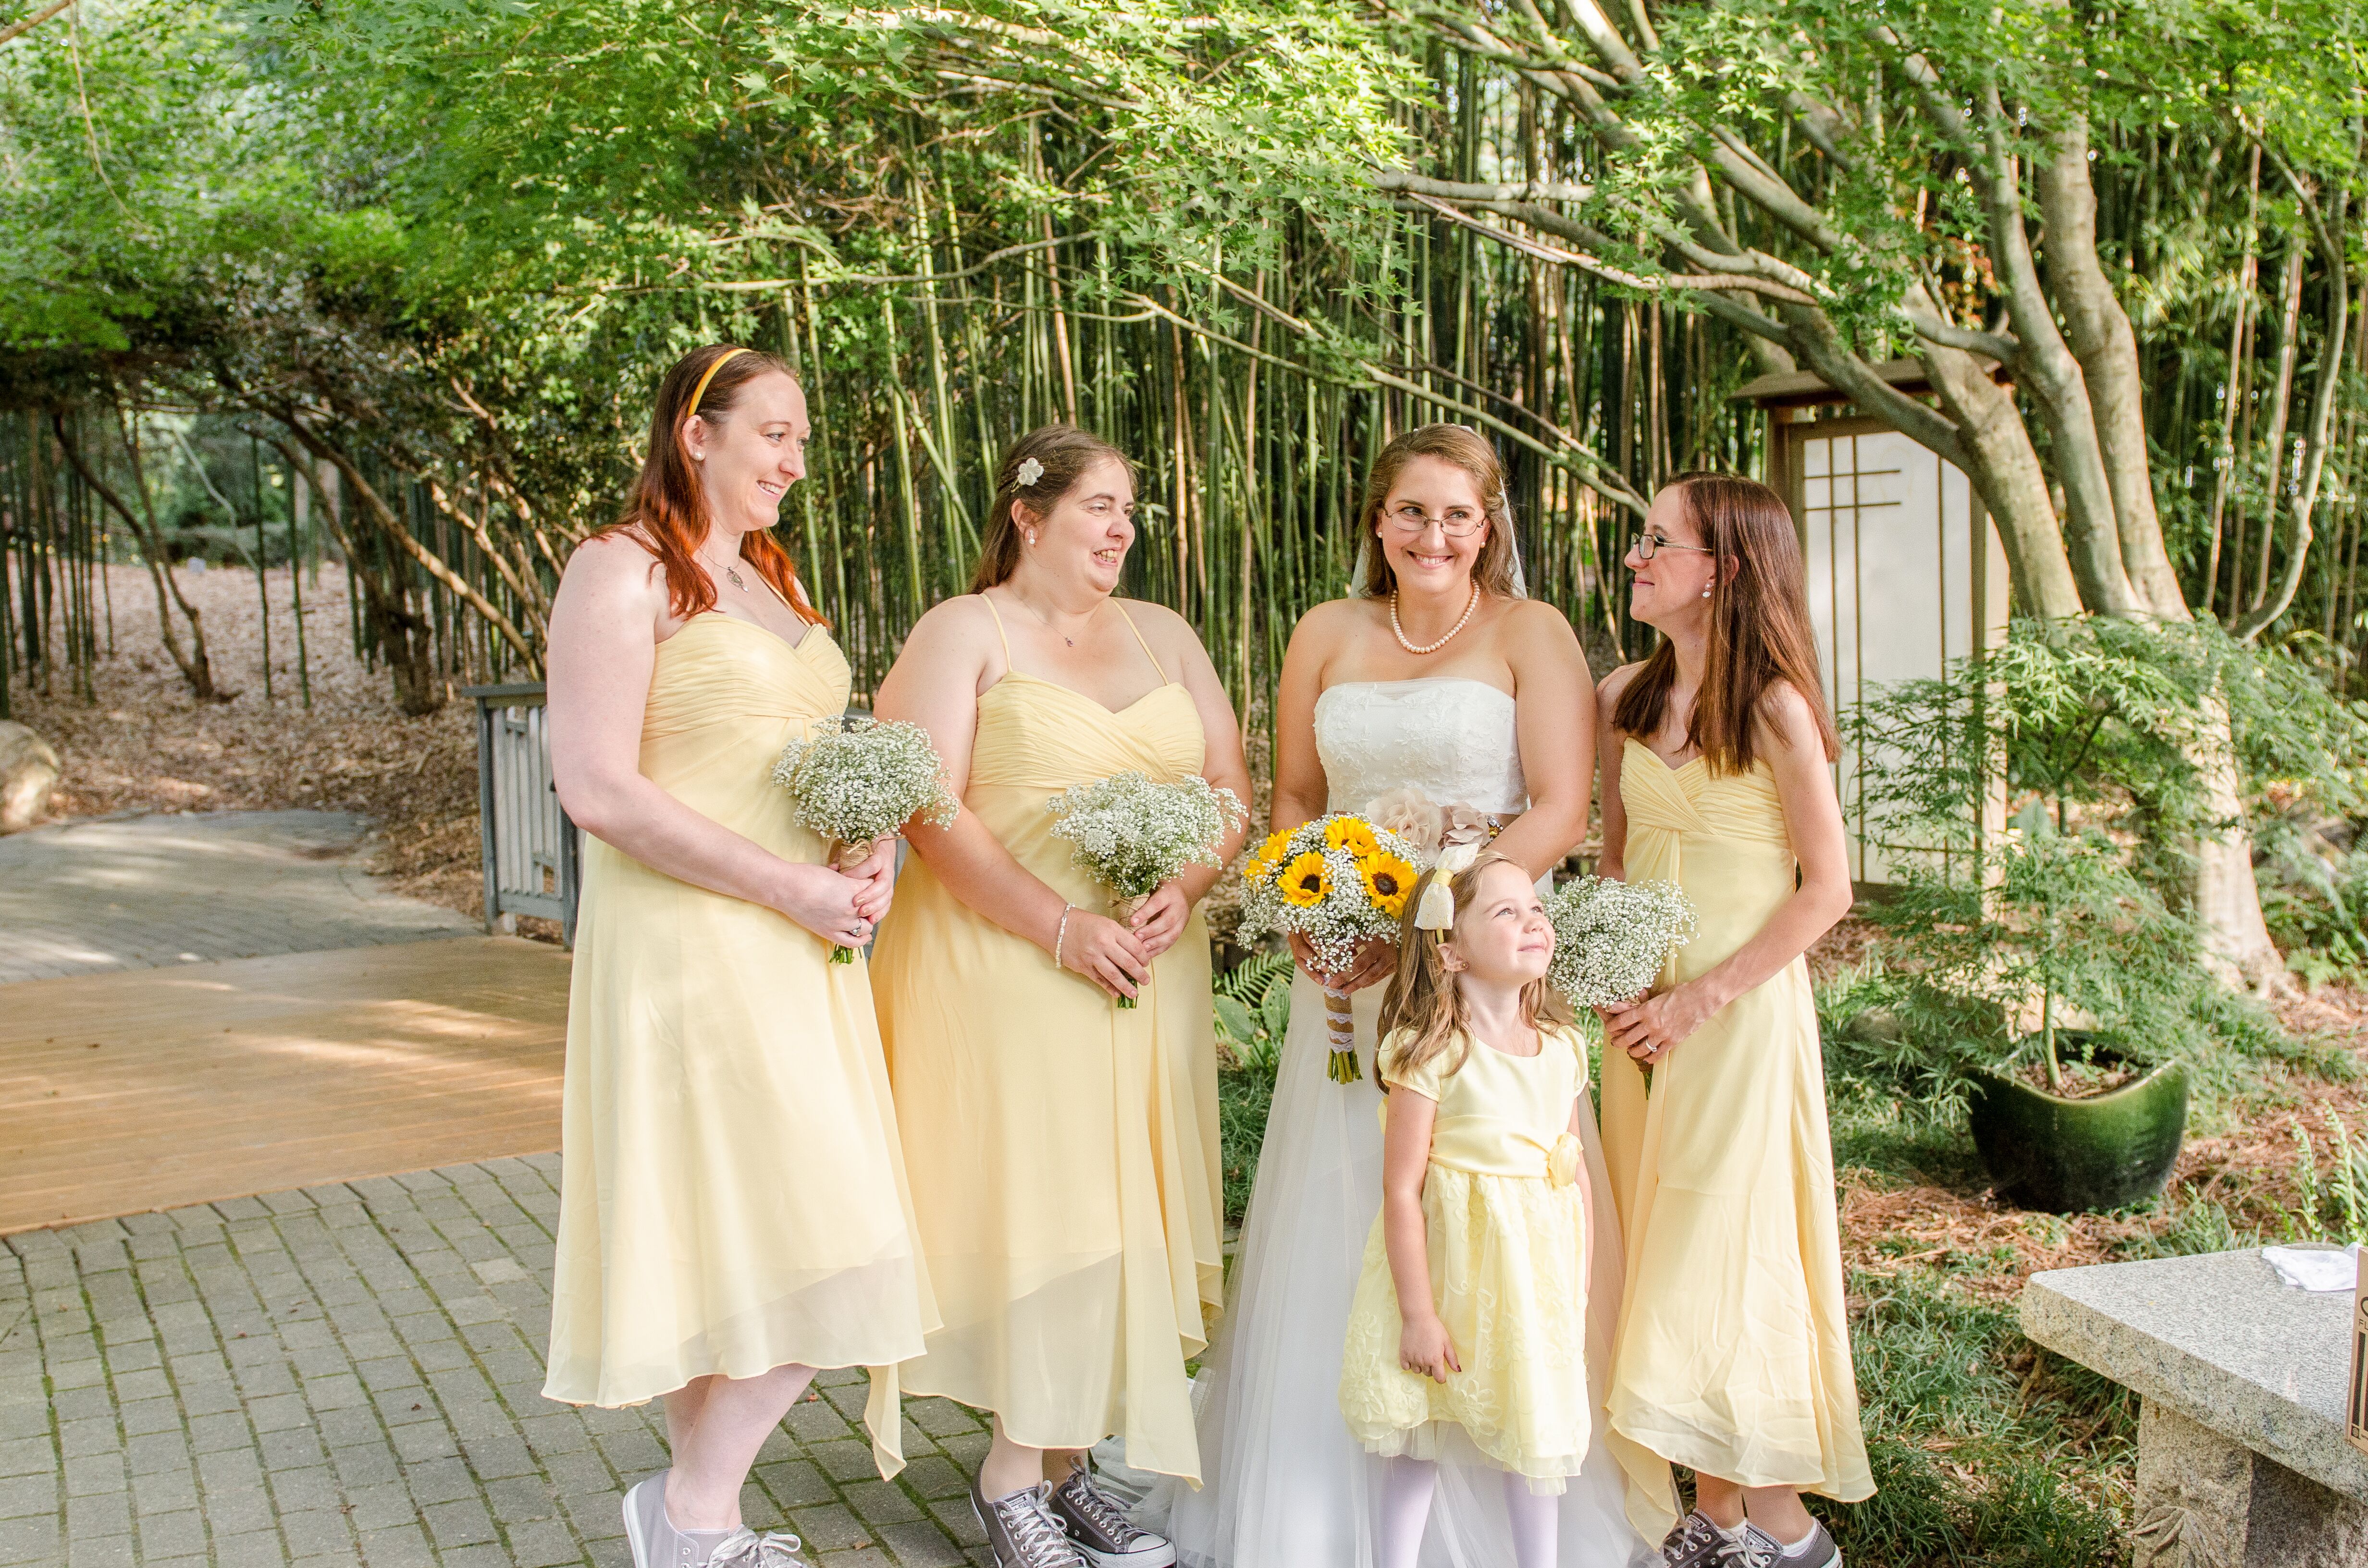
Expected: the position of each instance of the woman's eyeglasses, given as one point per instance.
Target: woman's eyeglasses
(1413, 520)
(1647, 545)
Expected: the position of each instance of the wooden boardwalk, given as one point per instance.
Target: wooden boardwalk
(156, 1088)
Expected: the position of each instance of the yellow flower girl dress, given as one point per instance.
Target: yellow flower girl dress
(1506, 1224)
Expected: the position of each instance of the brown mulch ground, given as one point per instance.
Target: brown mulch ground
(140, 743)
(2254, 1169)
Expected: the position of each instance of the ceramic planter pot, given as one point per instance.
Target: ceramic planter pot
(2070, 1156)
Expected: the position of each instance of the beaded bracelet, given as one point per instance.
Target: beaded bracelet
(1062, 934)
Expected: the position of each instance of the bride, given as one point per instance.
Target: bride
(1439, 677)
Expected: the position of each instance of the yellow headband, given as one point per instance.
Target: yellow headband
(700, 391)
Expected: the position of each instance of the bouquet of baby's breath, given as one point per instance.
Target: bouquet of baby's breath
(1132, 833)
(856, 784)
(1611, 939)
(1338, 882)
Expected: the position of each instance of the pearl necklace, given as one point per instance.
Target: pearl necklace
(1470, 605)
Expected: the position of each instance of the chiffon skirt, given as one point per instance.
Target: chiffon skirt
(1288, 1485)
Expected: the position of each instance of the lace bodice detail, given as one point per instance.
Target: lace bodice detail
(1451, 737)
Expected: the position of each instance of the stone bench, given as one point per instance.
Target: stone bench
(2242, 1457)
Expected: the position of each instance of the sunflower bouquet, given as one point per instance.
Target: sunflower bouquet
(1611, 938)
(1132, 833)
(860, 782)
(1336, 882)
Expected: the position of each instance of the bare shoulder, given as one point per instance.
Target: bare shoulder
(1160, 626)
(1608, 689)
(965, 620)
(616, 571)
(1788, 717)
(1533, 626)
(1327, 625)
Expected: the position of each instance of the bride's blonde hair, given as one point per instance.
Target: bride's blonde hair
(1423, 1012)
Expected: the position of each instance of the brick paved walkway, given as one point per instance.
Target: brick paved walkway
(351, 1374)
(137, 892)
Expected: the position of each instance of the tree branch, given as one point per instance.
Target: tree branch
(28, 23)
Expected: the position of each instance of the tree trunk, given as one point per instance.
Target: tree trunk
(2102, 340)
(192, 660)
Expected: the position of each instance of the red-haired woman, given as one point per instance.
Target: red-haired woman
(1733, 1355)
(732, 1209)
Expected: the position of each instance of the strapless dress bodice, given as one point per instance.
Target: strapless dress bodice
(1448, 737)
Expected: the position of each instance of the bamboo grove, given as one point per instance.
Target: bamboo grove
(1225, 247)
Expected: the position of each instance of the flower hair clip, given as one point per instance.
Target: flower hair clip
(1031, 471)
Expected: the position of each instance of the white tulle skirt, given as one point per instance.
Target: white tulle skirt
(1286, 1486)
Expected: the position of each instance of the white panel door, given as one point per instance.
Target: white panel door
(1897, 589)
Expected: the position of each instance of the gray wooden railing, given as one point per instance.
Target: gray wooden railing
(531, 857)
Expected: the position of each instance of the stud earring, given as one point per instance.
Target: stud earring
(1706, 590)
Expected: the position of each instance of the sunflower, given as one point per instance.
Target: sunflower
(1388, 880)
(1306, 881)
(1269, 855)
(1355, 836)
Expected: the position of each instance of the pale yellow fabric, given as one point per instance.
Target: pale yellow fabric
(733, 1198)
(1062, 1149)
(1733, 1354)
(1508, 1256)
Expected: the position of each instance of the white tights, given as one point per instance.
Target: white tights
(1408, 1485)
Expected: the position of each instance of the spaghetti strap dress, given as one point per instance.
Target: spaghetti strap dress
(1733, 1355)
(732, 1192)
(1062, 1149)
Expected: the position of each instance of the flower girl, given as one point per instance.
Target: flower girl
(1466, 1340)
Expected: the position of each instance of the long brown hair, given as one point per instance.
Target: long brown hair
(1472, 453)
(667, 514)
(1423, 1012)
(1064, 453)
(1759, 631)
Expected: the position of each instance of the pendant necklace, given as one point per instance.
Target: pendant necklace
(1470, 605)
(737, 583)
(1046, 621)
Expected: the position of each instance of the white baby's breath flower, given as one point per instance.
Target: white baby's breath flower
(866, 781)
(1611, 939)
(1132, 833)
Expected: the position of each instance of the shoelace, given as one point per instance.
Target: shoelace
(1101, 1508)
(1698, 1530)
(1029, 1520)
(746, 1549)
(1758, 1548)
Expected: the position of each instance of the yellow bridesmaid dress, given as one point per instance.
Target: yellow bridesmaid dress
(1733, 1355)
(1063, 1150)
(1509, 1265)
(733, 1198)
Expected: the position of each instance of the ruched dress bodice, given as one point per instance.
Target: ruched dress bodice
(1063, 1151)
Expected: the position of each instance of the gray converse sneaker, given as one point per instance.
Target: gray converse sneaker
(1762, 1550)
(1098, 1527)
(746, 1549)
(1023, 1531)
(655, 1541)
(1697, 1542)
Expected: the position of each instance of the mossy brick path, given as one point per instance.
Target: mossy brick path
(352, 1374)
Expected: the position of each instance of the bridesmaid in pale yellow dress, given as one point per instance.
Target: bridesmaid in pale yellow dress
(1733, 1357)
(732, 1209)
(1062, 1149)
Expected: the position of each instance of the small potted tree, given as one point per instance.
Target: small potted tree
(2035, 966)
(2058, 984)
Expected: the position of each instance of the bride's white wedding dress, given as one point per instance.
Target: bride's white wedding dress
(1286, 1485)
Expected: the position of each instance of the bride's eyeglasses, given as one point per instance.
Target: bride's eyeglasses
(1411, 520)
(1647, 545)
